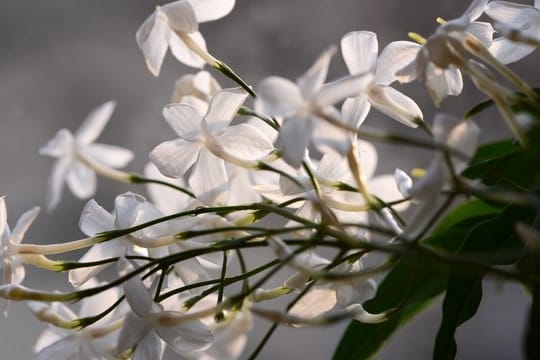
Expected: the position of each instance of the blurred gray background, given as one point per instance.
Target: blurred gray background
(59, 59)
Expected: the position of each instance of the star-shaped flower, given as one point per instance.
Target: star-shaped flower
(79, 158)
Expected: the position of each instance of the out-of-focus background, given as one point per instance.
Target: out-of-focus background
(60, 59)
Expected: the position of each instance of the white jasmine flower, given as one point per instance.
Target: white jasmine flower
(146, 328)
(94, 342)
(79, 158)
(196, 89)
(204, 141)
(11, 264)
(300, 103)
(360, 49)
(519, 24)
(176, 25)
(129, 210)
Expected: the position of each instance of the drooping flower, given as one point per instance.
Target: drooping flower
(176, 25)
(79, 158)
(11, 265)
(205, 137)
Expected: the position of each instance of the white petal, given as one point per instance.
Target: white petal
(109, 249)
(385, 188)
(174, 158)
(512, 14)
(394, 57)
(354, 110)
(65, 348)
(23, 224)
(3, 217)
(184, 119)
(209, 10)
(295, 134)
(335, 91)
(94, 123)
(357, 292)
(187, 337)
(180, 16)
(475, 10)
(316, 302)
(184, 54)
(223, 108)
(209, 179)
(507, 51)
(138, 297)
(278, 97)
(149, 347)
(403, 181)
(312, 80)
(81, 180)
(132, 332)
(334, 167)
(483, 31)
(95, 219)
(245, 141)
(190, 271)
(359, 49)
(56, 182)
(395, 104)
(59, 146)
(442, 83)
(110, 155)
(154, 43)
(167, 200)
(368, 158)
(127, 209)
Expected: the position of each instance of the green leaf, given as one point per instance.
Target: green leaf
(472, 209)
(408, 288)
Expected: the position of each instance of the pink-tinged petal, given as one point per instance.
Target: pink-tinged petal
(245, 141)
(110, 155)
(209, 180)
(56, 182)
(209, 10)
(132, 332)
(154, 43)
(81, 180)
(507, 51)
(316, 302)
(174, 158)
(184, 119)
(313, 79)
(359, 49)
(184, 54)
(59, 146)
(23, 224)
(354, 110)
(94, 123)
(336, 91)
(223, 108)
(368, 158)
(95, 219)
(150, 347)
(512, 14)
(65, 348)
(180, 16)
(394, 57)
(295, 134)
(138, 297)
(279, 97)
(186, 337)
(395, 104)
